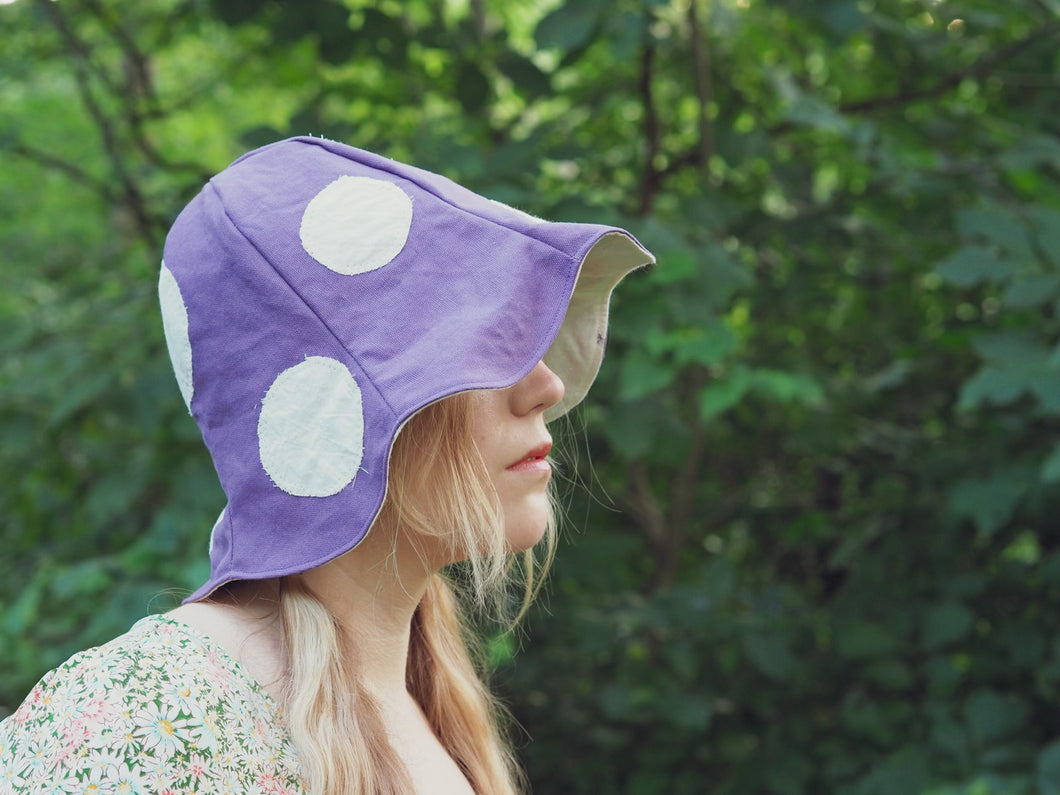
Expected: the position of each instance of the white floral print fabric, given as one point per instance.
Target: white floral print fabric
(160, 710)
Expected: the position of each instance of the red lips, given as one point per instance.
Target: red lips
(533, 460)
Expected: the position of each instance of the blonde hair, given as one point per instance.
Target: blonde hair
(335, 724)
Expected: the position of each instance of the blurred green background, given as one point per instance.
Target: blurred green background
(813, 539)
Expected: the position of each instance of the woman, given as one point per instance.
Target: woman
(365, 346)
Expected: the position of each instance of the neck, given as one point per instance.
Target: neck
(373, 592)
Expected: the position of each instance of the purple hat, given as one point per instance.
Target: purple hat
(315, 296)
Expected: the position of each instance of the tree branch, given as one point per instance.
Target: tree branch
(651, 178)
(653, 521)
(137, 83)
(478, 16)
(644, 505)
(149, 226)
(704, 85)
(139, 89)
(982, 67)
(75, 173)
(686, 485)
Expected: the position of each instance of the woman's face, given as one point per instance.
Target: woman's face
(508, 426)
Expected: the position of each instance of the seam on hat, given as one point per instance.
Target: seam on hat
(322, 143)
(392, 168)
(573, 263)
(331, 331)
(388, 165)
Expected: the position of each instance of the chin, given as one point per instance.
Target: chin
(526, 531)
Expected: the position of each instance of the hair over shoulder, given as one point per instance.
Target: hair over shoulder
(333, 720)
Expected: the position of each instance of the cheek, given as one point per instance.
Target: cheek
(488, 427)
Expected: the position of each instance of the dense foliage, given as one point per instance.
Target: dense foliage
(816, 545)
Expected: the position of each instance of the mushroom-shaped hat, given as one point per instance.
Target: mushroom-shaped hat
(315, 296)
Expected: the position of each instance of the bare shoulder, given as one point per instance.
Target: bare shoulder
(248, 631)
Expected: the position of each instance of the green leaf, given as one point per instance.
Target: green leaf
(635, 427)
(331, 23)
(644, 374)
(996, 225)
(619, 702)
(844, 17)
(903, 772)
(973, 265)
(1047, 769)
(1017, 350)
(805, 107)
(675, 265)
(500, 650)
(992, 715)
(19, 618)
(890, 377)
(1050, 471)
(721, 395)
(568, 27)
(989, 502)
(81, 395)
(1032, 150)
(379, 34)
(1046, 221)
(944, 624)
(857, 639)
(688, 711)
(769, 654)
(524, 74)
(472, 87)
(990, 384)
(788, 387)
(236, 12)
(707, 344)
(1031, 290)
(890, 673)
(1044, 384)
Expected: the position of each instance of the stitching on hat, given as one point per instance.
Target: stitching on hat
(356, 224)
(311, 428)
(386, 165)
(291, 287)
(533, 219)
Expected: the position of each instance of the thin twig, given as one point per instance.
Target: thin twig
(139, 89)
(983, 67)
(980, 68)
(704, 85)
(478, 15)
(77, 174)
(686, 485)
(645, 506)
(651, 177)
(130, 194)
(138, 82)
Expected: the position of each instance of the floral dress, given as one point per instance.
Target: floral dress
(160, 709)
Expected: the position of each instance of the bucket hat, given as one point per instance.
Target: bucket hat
(315, 296)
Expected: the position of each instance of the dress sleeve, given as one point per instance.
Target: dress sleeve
(154, 718)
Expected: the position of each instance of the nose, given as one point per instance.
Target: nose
(539, 390)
